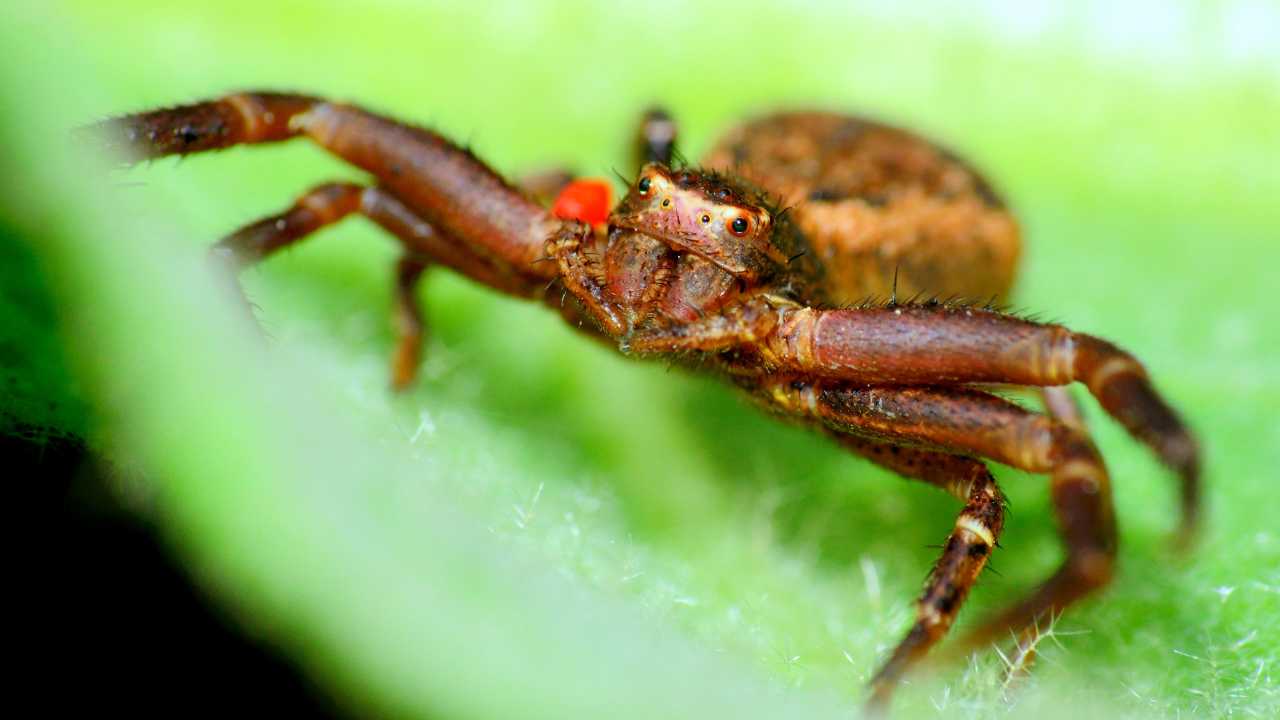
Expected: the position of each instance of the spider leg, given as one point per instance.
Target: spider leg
(964, 555)
(942, 345)
(966, 421)
(581, 273)
(331, 202)
(440, 182)
(656, 140)
(410, 326)
(544, 185)
(1058, 401)
(1060, 404)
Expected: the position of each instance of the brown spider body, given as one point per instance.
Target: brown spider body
(876, 203)
(704, 267)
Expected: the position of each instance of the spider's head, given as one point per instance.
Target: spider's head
(706, 214)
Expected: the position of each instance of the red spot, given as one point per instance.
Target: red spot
(585, 200)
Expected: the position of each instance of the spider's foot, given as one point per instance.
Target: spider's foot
(405, 362)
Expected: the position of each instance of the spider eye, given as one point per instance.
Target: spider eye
(643, 185)
(739, 226)
(706, 218)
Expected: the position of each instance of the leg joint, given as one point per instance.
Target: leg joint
(1093, 569)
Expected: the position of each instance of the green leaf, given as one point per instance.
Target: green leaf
(543, 529)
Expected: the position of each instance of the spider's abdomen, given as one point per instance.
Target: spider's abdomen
(873, 200)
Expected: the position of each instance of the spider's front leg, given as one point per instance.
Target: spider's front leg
(936, 344)
(440, 182)
(444, 205)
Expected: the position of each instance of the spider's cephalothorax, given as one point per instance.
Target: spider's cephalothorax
(702, 264)
(684, 244)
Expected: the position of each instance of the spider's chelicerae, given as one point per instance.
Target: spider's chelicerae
(701, 267)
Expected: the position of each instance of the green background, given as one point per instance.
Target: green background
(543, 529)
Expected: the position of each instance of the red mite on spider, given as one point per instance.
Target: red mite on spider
(756, 266)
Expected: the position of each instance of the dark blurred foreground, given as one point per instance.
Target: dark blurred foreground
(115, 624)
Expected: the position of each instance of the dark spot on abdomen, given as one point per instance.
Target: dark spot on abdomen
(825, 195)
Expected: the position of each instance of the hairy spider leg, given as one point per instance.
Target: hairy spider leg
(937, 344)
(656, 140)
(422, 244)
(441, 202)
(962, 420)
(443, 184)
(969, 545)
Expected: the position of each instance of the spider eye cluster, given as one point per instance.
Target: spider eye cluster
(738, 220)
